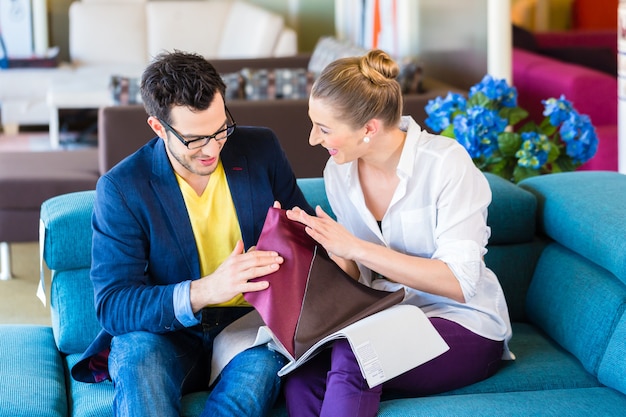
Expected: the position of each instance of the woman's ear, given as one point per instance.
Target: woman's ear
(372, 127)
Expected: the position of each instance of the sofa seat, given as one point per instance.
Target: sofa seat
(541, 365)
(32, 374)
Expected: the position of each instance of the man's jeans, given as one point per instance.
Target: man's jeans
(151, 372)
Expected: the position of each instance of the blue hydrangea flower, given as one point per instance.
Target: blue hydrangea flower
(484, 117)
(558, 110)
(497, 90)
(440, 110)
(579, 136)
(534, 150)
(478, 130)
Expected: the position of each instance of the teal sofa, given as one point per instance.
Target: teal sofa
(558, 246)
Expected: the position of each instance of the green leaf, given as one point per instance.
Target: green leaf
(554, 152)
(480, 99)
(509, 143)
(513, 114)
(448, 131)
(564, 164)
(547, 128)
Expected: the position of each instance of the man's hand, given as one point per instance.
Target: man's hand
(233, 277)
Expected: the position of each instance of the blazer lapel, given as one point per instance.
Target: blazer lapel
(239, 182)
(168, 192)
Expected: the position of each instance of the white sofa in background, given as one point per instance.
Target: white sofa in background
(120, 37)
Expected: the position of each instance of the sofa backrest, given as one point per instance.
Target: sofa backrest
(578, 290)
(186, 25)
(114, 32)
(105, 33)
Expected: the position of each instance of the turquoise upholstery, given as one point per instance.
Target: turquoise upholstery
(557, 246)
(33, 379)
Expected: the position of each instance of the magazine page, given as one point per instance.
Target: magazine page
(386, 344)
(393, 341)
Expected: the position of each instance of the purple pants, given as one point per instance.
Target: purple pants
(331, 383)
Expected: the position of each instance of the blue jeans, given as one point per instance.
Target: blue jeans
(151, 372)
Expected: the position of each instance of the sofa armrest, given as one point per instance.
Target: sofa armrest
(538, 77)
(66, 230)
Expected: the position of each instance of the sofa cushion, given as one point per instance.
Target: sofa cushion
(514, 264)
(72, 310)
(511, 212)
(250, 31)
(613, 366)
(195, 26)
(87, 399)
(540, 364)
(32, 373)
(580, 320)
(29, 178)
(598, 402)
(92, 40)
(597, 225)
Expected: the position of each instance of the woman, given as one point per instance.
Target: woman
(411, 212)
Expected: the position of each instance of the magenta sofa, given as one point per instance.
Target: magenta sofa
(538, 77)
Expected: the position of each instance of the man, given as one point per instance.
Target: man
(173, 225)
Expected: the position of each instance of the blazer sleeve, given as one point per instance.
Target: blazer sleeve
(132, 292)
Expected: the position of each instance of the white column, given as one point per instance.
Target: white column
(499, 42)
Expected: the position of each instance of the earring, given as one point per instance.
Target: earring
(366, 139)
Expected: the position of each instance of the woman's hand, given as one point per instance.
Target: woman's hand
(327, 232)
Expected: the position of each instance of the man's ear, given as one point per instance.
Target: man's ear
(157, 127)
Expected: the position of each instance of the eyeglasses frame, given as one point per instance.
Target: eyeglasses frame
(207, 138)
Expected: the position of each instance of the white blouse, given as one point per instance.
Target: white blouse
(438, 211)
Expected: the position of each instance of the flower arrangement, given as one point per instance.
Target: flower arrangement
(488, 124)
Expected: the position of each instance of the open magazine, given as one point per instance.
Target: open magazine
(386, 344)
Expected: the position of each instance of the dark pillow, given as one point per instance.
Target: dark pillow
(523, 39)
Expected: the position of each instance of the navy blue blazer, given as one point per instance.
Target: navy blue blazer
(143, 243)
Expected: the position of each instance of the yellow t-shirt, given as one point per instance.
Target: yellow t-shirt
(214, 223)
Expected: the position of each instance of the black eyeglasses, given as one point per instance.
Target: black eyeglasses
(200, 141)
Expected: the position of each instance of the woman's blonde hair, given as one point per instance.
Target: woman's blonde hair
(362, 88)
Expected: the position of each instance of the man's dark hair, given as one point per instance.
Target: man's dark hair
(179, 79)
